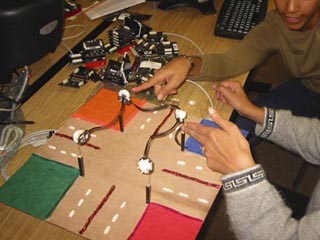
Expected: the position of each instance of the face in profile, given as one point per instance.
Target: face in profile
(299, 15)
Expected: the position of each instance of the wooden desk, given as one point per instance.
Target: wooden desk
(52, 104)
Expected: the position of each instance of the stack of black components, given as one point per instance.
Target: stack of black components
(150, 51)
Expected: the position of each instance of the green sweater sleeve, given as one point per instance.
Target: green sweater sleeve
(299, 52)
(250, 52)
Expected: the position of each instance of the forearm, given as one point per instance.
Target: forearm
(243, 57)
(196, 68)
(254, 113)
(193, 63)
(297, 134)
(257, 211)
(219, 66)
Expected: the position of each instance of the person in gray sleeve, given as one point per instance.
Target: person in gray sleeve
(255, 208)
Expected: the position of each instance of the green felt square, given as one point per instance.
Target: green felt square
(38, 186)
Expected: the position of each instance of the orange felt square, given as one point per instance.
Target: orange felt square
(102, 108)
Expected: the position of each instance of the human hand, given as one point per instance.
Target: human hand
(168, 79)
(232, 93)
(225, 148)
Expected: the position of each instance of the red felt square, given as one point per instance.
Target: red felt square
(160, 222)
(104, 107)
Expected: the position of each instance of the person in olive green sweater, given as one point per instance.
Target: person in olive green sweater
(292, 30)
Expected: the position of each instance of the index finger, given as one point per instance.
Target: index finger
(224, 124)
(148, 84)
(197, 130)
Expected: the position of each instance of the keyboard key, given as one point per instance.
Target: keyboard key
(237, 17)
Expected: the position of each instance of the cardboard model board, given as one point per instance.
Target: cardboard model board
(109, 201)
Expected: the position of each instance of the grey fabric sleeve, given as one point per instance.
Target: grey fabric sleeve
(243, 179)
(257, 210)
(297, 134)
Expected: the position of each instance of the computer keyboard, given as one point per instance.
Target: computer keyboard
(237, 17)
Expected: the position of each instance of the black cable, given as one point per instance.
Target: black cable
(158, 135)
(85, 136)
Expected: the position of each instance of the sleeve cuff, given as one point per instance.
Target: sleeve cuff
(266, 129)
(243, 179)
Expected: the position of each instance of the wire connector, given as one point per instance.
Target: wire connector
(145, 165)
(81, 136)
(124, 95)
(180, 115)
